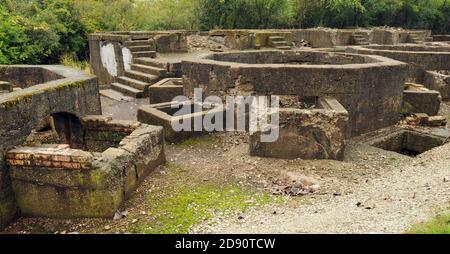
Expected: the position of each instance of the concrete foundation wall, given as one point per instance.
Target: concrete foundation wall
(371, 92)
(419, 58)
(57, 181)
(22, 111)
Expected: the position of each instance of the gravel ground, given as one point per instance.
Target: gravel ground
(372, 191)
(406, 192)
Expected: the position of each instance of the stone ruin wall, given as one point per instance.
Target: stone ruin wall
(317, 37)
(116, 156)
(23, 111)
(371, 104)
(422, 61)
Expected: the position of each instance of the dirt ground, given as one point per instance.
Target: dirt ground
(372, 191)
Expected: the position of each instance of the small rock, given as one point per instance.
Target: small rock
(134, 221)
(107, 227)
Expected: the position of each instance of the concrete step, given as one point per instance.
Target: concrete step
(139, 43)
(277, 38)
(283, 47)
(150, 62)
(115, 95)
(126, 90)
(131, 82)
(142, 77)
(149, 70)
(134, 49)
(151, 54)
(280, 43)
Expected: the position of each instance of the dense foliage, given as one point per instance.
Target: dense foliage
(44, 31)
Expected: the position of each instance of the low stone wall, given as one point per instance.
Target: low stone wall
(307, 134)
(371, 91)
(420, 58)
(59, 182)
(317, 37)
(24, 76)
(24, 110)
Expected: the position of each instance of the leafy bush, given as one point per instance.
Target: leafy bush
(42, 31)
(36, 32)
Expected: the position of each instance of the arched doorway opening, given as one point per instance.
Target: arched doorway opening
(68, 129)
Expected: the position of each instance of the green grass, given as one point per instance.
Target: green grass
(206, 140)
(439, 225)
(178, 208)
(69, 61)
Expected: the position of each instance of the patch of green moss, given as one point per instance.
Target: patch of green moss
(207, 140)
(406, 108)
(8, 210)
(439, 225)
(177, 209)
(29, 96)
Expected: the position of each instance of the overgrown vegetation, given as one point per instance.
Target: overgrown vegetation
(42, 31)
(439, 225)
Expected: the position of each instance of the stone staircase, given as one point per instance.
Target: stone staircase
(279, 42)
(414, 38)
(135, 82)
(359, 39)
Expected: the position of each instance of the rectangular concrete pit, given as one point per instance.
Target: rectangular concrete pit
(409, 142)
(166, 90)
(307, 133)
(162, 114)
(57, 181)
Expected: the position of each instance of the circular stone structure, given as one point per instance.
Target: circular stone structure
(369, 87)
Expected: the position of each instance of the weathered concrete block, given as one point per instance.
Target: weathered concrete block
(163, 115)
(165, 90)
(307, 134)
(418, 99)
